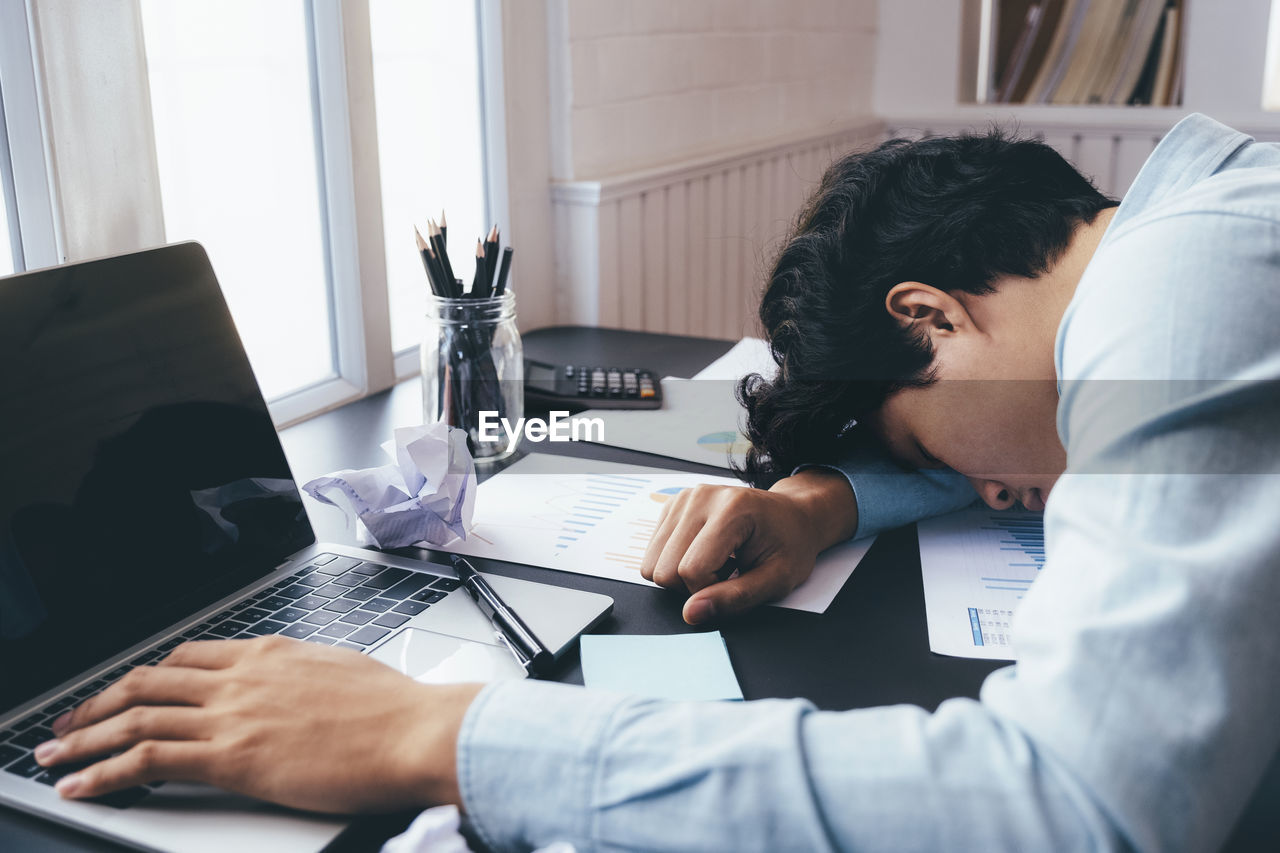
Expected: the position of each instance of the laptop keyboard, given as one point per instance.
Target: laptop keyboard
(337, 601)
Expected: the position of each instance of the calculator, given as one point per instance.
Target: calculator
(590, 386)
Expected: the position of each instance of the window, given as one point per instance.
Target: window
(28, 233)
(235, 131)
(426, 74)
(7, 264)
(10, 241)
(268, 118)
(1271, 68)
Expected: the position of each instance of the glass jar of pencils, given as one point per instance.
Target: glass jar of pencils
(473, 371)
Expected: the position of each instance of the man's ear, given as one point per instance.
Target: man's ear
(926, 309)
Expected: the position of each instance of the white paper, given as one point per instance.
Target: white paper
(427, 495)
(596, 518)
(436, 831)
(749, 355)
(700, 419)
(698, 422)
(977, 565)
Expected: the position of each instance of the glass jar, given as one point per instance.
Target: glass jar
(473, 371)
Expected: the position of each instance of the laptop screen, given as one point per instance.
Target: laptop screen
(142, 476)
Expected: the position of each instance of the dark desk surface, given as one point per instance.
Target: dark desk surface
(870, 648)
(877, 621)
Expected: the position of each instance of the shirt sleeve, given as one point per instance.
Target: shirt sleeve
(539, 763)
(890, 496)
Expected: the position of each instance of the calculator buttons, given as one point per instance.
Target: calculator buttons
(599, 385)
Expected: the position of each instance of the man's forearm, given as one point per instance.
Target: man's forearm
(540, 763)
(827, 500)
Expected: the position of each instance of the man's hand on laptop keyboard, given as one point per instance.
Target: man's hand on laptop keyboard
(296, 723)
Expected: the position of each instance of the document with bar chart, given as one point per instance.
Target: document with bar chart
(596, 518)
(977, 566)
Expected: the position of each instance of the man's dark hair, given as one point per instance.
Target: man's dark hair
(955, 213)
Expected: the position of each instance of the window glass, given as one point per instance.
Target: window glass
(235, 132)
(7, 265)
(6, 248)
(426, 72)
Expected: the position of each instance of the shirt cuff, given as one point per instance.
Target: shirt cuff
(527, 748)
(890, 496)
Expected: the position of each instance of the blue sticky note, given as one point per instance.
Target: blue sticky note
(676, 666)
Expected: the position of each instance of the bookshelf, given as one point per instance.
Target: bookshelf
(930, 69)
(927, 73)
(1078, 52)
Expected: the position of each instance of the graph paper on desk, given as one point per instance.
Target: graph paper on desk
(596, 518)
(977, 564)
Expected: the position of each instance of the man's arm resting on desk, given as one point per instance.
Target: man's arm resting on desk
(542, 762)
(776, 535)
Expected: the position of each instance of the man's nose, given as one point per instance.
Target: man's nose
(993, 493)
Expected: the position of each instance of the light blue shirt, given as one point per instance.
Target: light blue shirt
(1144, 706)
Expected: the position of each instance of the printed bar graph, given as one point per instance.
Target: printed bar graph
(598, 498)
(597, 518)
(977, 564)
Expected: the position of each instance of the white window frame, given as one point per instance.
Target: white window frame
(351, 195)
(31, 203)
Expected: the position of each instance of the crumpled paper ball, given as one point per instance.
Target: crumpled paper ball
(427, 494)
(436, 831)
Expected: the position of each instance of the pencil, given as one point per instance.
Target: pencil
(444, 228)
(490, 258)
(428, 262)
(501, 287)
(437, 243)
(479, 287)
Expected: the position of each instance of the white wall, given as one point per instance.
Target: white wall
(642, 83)
(528, 130)
(918, 56)
(684, 136)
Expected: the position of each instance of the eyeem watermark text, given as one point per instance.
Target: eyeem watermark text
(558, 427)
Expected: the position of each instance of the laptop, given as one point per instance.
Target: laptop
(147, 501)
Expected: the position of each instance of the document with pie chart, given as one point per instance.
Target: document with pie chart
(596, 518)
(699, 422)
(700, 419)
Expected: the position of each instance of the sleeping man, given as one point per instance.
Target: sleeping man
(949, 315)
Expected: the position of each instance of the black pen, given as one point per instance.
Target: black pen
(511, 629)
(501, 287)
(729, 569)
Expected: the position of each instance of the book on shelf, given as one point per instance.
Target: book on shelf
(1145, 25)
(1085, 52)
(1027, 52)
(1088, 55)
(1055, 60)
(1169, 68)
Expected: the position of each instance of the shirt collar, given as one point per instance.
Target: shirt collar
(1194, 149)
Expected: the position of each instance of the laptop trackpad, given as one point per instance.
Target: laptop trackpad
(441, 659)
